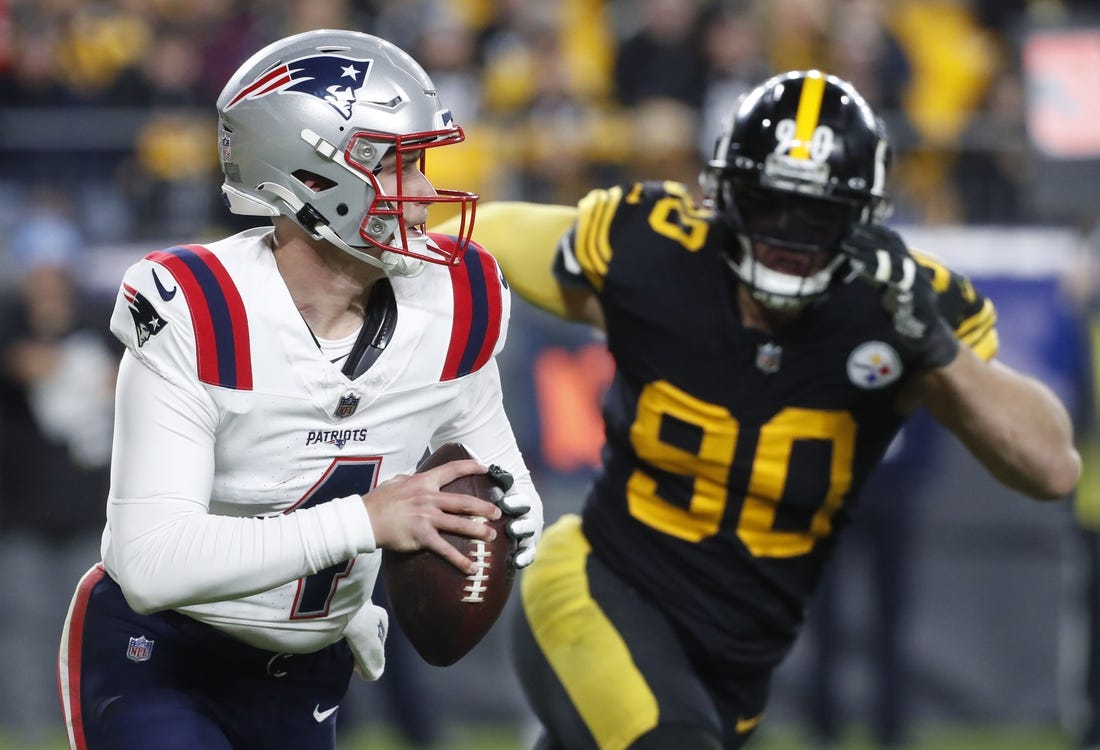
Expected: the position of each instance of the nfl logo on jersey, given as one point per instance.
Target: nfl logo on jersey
(769, 357)
(347, 406)
(140, 648)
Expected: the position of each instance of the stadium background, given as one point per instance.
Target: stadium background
(106, 123)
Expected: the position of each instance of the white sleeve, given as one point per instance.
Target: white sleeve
(162, 546)
(482, 426)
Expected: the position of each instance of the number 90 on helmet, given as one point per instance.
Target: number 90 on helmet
(303, 127)
(800, 159)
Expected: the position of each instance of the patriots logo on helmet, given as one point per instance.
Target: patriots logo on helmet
(332, 78)
(147, 321)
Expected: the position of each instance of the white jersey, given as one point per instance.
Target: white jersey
(241, 452)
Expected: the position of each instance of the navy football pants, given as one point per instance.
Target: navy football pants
(166, 681)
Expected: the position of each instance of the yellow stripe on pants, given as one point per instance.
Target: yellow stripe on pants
(584, 649)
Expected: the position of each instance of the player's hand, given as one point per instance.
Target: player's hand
(877, 255)
(526, 513)
(408, 512)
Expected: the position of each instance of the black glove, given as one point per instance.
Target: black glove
(878, 255)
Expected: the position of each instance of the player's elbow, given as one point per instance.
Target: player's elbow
(144, 605)
(142, 592)
(1064, 475)
(1057, 477)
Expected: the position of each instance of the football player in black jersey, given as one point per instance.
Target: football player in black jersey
(768, 345)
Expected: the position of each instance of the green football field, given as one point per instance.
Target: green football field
(942, 738)
(946, 738)
(776, 738)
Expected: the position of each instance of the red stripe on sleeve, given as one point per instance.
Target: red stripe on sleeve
(241, 340)
(206, 350)
(460, 320)
(493, 295)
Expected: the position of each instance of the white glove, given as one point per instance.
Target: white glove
(366, 635)
(524, 506)
(526, 524)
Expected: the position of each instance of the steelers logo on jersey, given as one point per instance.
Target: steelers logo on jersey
(874, 364)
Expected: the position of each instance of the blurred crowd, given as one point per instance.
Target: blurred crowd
(107, 138)
(108, 104)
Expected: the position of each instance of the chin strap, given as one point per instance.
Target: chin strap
(393, 264)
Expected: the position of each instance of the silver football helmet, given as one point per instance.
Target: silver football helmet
(303, 126)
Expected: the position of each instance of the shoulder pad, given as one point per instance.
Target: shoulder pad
(206, 326)
(591, 236)
(603, 210)
(482, 304)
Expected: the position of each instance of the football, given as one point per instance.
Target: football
(443, 612)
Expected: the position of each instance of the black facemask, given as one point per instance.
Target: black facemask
(796, 222)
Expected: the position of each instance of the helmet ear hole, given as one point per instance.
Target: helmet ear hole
(315, 182)
(342, 209)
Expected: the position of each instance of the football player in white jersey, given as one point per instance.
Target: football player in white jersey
(278, 389)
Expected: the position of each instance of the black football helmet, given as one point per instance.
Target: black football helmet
(801, 158)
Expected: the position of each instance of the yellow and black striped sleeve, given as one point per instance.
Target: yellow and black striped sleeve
(966, 310)
(589, 243)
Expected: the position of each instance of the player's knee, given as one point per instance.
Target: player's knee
(677, 737)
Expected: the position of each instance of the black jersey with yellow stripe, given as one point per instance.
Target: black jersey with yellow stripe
(733, 456)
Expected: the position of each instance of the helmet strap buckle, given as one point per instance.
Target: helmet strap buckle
(309, 217)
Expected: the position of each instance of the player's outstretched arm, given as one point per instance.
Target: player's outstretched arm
(408, 512)
(524, 237)
(1011, 422)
